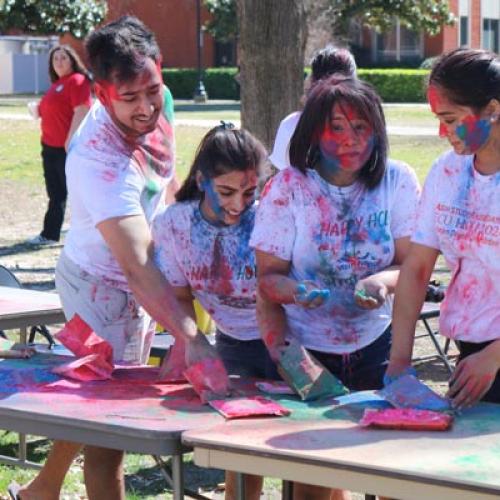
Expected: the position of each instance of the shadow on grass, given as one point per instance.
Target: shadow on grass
(37, 449)
(150, 480)
(20, 248)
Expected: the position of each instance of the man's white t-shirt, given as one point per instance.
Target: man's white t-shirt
(335, 236)
(109, 176)
(460, 216)
(216, 262)
(280, 157)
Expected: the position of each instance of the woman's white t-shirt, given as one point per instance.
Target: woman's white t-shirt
(216, 262)
(335, 236)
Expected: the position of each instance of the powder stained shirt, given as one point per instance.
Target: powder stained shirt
(216, 262)
(110, 175)
(335, 236)
(460, 216)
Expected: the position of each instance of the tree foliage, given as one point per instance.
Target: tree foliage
(224, 23)
(48, 17)
(417, 15)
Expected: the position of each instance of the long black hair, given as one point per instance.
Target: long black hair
(324, 95)
(224, 149)
(469, 77)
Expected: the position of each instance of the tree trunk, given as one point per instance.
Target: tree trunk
(272, 42)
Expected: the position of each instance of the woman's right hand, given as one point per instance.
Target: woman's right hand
(397, 369)
(309, 295)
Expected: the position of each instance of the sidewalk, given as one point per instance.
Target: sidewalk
(185, 122)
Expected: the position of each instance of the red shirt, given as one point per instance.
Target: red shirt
(58, 104)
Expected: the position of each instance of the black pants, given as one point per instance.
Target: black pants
(468, 348)
(54, 160)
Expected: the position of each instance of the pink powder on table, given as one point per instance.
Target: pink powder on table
(407, 419)
(208, 378)
(248, 407)
(85, 369)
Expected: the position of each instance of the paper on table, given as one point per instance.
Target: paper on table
(207, 388)
(407, 419)
(96, 355)
(306, 375)
(408, 391)
(254, 406)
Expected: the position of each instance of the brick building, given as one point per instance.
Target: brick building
(477, 26)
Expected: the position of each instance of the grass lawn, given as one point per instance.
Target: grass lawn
(396, 115)
(20, 161)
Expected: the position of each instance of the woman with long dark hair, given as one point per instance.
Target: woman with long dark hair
(459, 217)
(201, 245)
(61, 110)
(330, 235)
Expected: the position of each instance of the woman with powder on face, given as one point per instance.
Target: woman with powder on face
(201, 245)
(330, 234)
(459, 216)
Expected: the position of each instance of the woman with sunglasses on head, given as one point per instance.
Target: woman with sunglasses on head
(459, 217)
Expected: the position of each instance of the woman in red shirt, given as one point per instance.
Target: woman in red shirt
(61, 110)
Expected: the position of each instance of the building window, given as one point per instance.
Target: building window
(491, 35)
(398, 44)
(464, 31)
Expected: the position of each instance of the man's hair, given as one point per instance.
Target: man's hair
(117, 51)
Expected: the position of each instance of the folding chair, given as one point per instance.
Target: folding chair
(431, 310)
(7, 278)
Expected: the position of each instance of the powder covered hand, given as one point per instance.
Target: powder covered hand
(204, 363)
(308, 295)
(474, 375)
(370, 293)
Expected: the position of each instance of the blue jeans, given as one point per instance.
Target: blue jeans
(360, 370)
(246, 358)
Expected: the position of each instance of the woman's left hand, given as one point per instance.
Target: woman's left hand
(370, 293)
(473, 377)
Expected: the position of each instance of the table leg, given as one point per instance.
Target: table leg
(240, 486)
(178, 476)
(286, 490)
(22, 447)
(23, 335)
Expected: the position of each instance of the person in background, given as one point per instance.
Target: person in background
(459, 217)
(61, 110)
(120, 171)
(325, 63)
(201, 245)
(330, 235)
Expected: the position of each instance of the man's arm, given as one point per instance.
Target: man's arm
(129, 239)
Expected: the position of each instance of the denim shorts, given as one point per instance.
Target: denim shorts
(246, 358)
(468, 348)
(360, 370)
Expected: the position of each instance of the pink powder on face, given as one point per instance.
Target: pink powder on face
(407, 419)
(248, 407)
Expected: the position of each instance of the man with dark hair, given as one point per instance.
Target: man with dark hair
(120, 173)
